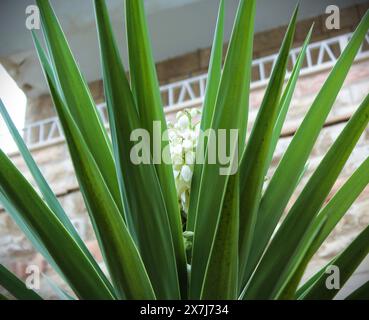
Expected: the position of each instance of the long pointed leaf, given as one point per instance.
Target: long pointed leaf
(286, 98)
(78, 98)
(2, 297)
(290, 235)
(121, 255)
(362, 293)
(231, 111)
(332, 214)
(254, 160)
(146, 90)
(62, 295)
(221, 277)
(212, 86)
(284, 180)
(29, 232)
(77, 269)
(147, 207)
(44, 187)
(15, 286)
(265, 224)
(346, 262)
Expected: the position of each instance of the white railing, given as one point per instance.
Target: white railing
(187, 93)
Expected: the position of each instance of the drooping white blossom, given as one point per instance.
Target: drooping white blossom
(183, 135)
(186, 173)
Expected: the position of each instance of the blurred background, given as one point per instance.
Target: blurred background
(181, 35)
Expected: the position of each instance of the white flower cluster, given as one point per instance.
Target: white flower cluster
(183, 136)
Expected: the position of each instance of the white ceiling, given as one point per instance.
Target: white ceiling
(176, 27)
(75, 15)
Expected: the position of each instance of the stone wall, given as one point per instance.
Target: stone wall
(54, 161)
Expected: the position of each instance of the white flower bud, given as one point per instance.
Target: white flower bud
(186, 173)
(190, 158)
(183, 136)
(183, 197)
(179, 114)
(172, 134)
(187, 134)
(183, 122)
(176, 149)
(194, 112)
(187, 145)
(176, 174)
(177, 159)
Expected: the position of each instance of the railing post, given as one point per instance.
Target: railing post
(41, 132)
(27, 132)
(343, 41)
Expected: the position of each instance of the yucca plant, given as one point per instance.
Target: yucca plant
(239, 243)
